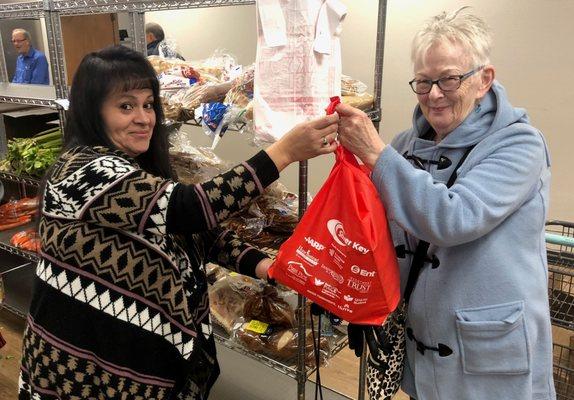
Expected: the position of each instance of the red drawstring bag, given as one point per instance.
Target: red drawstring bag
(341, 255)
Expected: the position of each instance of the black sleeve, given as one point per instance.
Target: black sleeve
(225, 248)
(202, 207)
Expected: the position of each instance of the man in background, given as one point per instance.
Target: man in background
(31, 64)
(156, 44)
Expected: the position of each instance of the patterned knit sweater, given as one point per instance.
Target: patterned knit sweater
(120, 307)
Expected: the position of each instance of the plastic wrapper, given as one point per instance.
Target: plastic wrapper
(220, 67)
(227, 299)
(171, 82)
(162, 64)
(241, 92)
(193, 164)
(362, 102)
(269, 220)
(215, 272)
(280, 344)
(167, 48)
(352, 87)
(267, 306)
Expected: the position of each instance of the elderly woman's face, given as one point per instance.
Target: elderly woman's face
(129, 119)
(446, 110)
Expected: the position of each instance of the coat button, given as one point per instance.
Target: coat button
(444, 350)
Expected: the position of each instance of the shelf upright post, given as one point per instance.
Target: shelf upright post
(3, 70)
(137, 32)
(301, 339)
(379, 58)
(57, 60)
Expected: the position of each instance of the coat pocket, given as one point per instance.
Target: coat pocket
(493, 339)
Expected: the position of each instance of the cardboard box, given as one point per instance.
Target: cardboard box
(24, 121)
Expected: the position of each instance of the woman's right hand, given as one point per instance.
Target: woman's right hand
(306, 140)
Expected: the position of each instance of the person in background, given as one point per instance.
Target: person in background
(31, 64)
(155, 40)
(120, 306)
(478, 323)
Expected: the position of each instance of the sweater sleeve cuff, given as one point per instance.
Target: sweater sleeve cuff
(249, 260)
(264, 167)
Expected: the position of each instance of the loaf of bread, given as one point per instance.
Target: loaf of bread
(268, 307)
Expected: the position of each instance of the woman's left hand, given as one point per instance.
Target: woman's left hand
(358, 134)
(262, 268)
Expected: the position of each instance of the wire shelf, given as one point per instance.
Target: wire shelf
(563, 368)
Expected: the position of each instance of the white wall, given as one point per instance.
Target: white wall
(533, 55)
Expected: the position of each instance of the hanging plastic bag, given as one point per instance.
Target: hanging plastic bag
(341, 255)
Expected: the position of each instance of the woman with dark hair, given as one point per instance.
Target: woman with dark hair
(120, 307)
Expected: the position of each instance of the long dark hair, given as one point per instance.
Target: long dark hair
(111, 70)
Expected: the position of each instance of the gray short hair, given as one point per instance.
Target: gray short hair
(155, 29)
(466, 29)
(24, 32)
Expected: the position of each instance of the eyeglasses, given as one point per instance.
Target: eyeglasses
(446, 84)
(18, 40)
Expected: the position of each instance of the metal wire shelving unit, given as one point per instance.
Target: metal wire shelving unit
(52, 10)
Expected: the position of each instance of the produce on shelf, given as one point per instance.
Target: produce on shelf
(27, 240)
(18, 212)
(34, 155)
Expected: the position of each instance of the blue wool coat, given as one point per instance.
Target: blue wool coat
(487, 298)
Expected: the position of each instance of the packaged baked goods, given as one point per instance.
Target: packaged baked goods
(280, 344)
(193, 164)
(227, 299)
(215, 272)
(241, 92)
(363, 102)
(266, 306)
(352, 87)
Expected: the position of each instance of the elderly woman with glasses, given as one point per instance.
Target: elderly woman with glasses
(470, 178)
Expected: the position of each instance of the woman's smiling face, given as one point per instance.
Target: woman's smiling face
(447, 110)
(129, 119)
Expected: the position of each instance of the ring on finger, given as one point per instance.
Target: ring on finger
(325, 143)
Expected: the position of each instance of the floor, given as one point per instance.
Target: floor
(340, 375)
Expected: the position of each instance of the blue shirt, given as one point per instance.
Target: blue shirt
(32, 68)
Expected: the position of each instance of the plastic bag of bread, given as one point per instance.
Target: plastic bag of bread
(352, 87)
(227, 299)
(241, 92)
(280, 344)
(363, 102)
(215, 272)
(266, 306)
(162, 64)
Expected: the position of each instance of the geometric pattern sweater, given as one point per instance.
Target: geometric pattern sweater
(120, 307)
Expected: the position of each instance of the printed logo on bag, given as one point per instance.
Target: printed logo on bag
(314, 243)
(304, 254)
(359, 286)
(337, 230)
(331, 291)
(348, 298)
(355, 269)
(337, 277)
(298, 271)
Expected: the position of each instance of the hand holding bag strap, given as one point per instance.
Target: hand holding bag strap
(422, 247)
